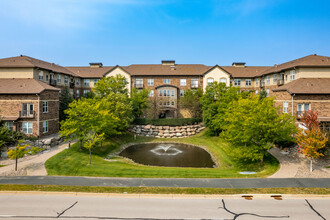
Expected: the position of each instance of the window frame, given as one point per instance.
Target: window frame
(167, 81)
(292, 75)
(183, 82)
(248, 80)
(44, 106)
(45, 128)
(86, 82)
(150, 82)
(237, 82)
(27, 127)
(285, 107)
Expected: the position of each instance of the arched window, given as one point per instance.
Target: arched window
(223, 80)
(209, 81)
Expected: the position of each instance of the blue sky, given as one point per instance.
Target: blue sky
(123, 32)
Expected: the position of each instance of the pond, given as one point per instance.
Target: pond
(168, 155)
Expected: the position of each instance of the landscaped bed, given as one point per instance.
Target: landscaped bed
(74, 161)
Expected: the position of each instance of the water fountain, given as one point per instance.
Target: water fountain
(166, 150)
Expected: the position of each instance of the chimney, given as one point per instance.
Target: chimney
(168, 62)
(95, 65)
(238, 64)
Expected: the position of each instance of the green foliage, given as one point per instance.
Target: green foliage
(167, 121)
(34, 150)
(113, 84)
(90, 142)
(215, 101)
(8, 137)
(18, 152)
(191, 101)
(253, 125)
(263, 93)
(139, 100)
(65, 100)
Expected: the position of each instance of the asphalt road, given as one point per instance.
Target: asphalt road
(169, 182)
(90, 206)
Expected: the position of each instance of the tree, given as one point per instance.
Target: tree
(65, 100)
(312, 139)
(91, 140)
(18, 152)
(191, 101)
(139, 100)
(252, 125)
(215, 100)
(114, 84)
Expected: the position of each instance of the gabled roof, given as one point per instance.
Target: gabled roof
(24, 86)
(166, 70)
(307, 61)
(245, 72)
(90, 72)
(306, 86)
(25, 61)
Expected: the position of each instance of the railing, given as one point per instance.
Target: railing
(71, 85)
(52, 82)
(26, 114)
(280, 82)
(193, 86)
(139, 85)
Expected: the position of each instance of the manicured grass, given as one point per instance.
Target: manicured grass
(74, 161)
(162, 190)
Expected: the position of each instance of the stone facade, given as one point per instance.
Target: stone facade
(166, 131)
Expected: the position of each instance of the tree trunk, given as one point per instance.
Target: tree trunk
(16, 163)
(311, 166)
(90, 157)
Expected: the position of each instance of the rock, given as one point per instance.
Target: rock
(166, 131)
(166, 135)
(166, 127)
(178, 134)
(47, 147)
(147, 127)
(48, 141)
(138, 131)
(172, 128)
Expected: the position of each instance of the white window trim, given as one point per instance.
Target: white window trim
(183, 82)
(150, 82)
(286, 108)
(27, 129)
(43, 127)
(43, 111)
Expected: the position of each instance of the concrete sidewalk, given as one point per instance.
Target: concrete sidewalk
(169, 182)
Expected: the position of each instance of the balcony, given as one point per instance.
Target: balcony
(139, 85)
(280, 82)
(194, 86)
(52, 82)
(26, 114)
(71, 85)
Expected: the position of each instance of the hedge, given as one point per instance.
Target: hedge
(167, 121)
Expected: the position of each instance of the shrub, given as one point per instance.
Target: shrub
(167, 121)
(34, 150)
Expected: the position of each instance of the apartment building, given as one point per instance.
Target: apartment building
(298, 85)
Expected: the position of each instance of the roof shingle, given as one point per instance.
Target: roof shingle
(89, 72)
(23, 86)
(307, 86)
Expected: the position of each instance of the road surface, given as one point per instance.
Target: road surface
(151, 207)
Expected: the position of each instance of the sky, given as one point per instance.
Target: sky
(124, 32)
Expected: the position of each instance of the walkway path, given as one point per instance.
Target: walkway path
(296, 165)
(30, 165)
(168, 182)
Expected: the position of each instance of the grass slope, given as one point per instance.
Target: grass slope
(74, 161)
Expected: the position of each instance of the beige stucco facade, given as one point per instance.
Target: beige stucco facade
(23, 73)
(120, 71)
(216, 74)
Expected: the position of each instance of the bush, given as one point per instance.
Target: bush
(285, 143)
(167, 121)
(34, 150)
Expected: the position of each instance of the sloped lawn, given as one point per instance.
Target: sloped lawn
(74, 161)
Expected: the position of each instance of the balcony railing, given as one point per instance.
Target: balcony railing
(71, 85)
(139, 85)
(52, 82)
(194, 86)
(280, 82)
(27, 114)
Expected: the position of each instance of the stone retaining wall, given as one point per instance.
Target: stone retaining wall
(166, 131)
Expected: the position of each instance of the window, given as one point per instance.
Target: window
(27, 127)
(248, 82)
(166, 92)
(285, 107)
(209, 81)
(46, 77)
(10, 125)
(194, 83)
(77, 82)
(183, 82)
(27, 109)
(268, 80)
(95, 81)
(41, 75)
(160, 92)
(237, 82)
(45, 106)
(172, 93)
(167, 81)
(292, 74)
(150, 82)
(181, 93)
(86, 91)
(151, 93)
(77, 93)
(86, 82)
(303, 107)
(139, 83)
(45, 126)
(223, 80)
(173, 103)
(66, 79)
(275, 78)
(267, 92)
(257, 82)
(59, 78)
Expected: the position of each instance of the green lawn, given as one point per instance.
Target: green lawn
(74, 161)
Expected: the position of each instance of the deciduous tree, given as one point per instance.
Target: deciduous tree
(191, 101)
(18, 152)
